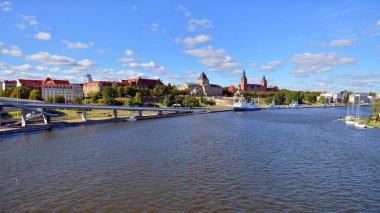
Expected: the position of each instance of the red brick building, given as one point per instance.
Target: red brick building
(140, 82)
(29, 84)
(262, 87)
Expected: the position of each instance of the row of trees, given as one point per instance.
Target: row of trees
(284, 96)
(22, 93)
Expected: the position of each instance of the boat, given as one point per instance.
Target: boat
(273, 106)
(322, 105)
(295, 105)
(131, 119)
(358, 124)
(242, 105)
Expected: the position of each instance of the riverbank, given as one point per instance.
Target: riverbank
(33, 127)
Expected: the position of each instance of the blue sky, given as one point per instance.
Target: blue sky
(299, 45)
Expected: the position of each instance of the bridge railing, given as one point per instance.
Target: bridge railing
(20, 100)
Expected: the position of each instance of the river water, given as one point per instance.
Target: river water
(282, 160)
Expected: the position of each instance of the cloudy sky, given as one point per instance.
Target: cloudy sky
(301, 45)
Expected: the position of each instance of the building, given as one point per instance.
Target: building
(332, 97)
(96, 86)
(29, 84)
(141, 82)
(262, 87)
(358, 98)
(51, 88)
(8, 84)
(202, 87)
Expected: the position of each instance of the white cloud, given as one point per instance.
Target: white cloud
(378, 23)
(57, 60)
(12, 50)
(216, 59)
(312, 63)
(273, 65)
(20, 26)
(193, 41)
(195, 24)
(134, 8)
(338, 43)
(77, 45)
(125, 60)
(31, 20)
(42, 36)
(129, 53)
(154, 27)
(185, 10)
(6, 6)
(150, 66)
(235, 72)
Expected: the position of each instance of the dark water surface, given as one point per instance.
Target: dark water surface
(284, 160)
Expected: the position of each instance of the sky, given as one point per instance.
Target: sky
(299, 45)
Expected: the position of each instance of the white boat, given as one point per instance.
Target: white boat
(273, 106)
(132, 118)
(322, 105)
(295, 105)
(242, 105)
(359, 125)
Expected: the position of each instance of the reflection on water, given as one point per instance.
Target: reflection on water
(284, 160)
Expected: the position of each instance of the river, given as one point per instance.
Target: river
(280, 160)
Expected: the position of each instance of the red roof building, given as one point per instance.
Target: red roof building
(140, 82)
(29, 84)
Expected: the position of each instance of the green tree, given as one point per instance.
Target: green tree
(59, 99)
(77, 100)
(108, 92)
(169, 100)
(8, 92)
(209, 101)
(376, 107)
(49, 100)
(178, 100)
(95, 96)
(322, 99)
(137, 100)
(190, 101)
(120, 91)
(20, 92)
(35, 95)
(130, 90)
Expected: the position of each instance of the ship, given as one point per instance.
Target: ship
(242, 105)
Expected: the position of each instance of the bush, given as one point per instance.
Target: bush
(190, 101)
(76, 101)
(169, 100)
(209, 101)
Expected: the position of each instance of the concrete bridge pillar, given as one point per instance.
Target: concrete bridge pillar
(84, 115)
(23, 117)
(114, 113)
(139, 113)
(159, 112)
(47, 118)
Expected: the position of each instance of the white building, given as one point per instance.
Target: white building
(358, 98)
(8, 84)
(51, 88)
(332, 97)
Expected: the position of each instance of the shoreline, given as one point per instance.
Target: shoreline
(58, 125)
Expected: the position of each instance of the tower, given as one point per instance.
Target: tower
(243, 82)
(203, 80)
(264, 82)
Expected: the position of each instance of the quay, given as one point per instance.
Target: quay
(41, 111)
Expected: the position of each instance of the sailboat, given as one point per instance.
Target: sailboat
(349, 118)
(273, 105)
(358, 123)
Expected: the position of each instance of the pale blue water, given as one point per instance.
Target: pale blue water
(284, 160)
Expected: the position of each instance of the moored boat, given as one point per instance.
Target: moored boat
(242, 105)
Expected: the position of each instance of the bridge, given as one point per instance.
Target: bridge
(41, 108)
